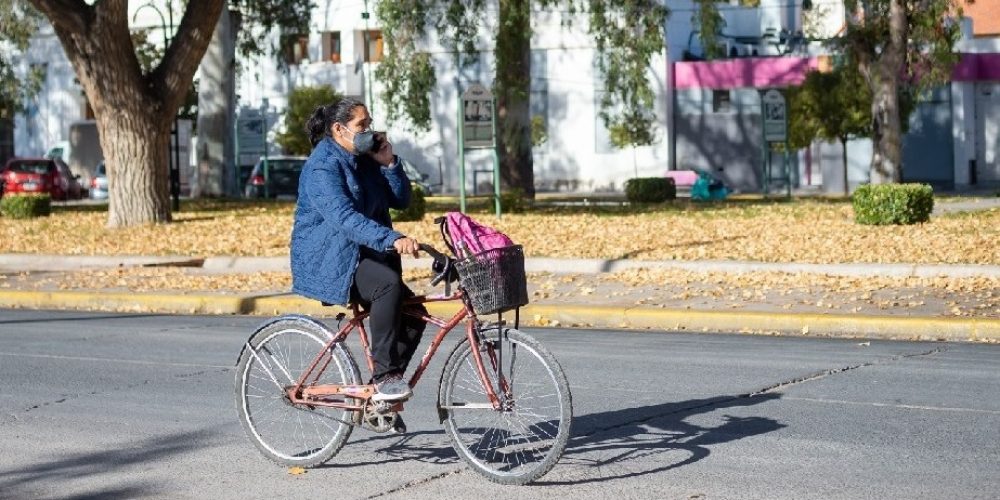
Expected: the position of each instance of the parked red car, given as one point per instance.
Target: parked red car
(41, 175)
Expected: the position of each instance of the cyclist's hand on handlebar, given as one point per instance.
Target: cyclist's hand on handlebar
(406, 245)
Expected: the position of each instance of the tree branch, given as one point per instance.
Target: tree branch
(173, 75)
(68, 15)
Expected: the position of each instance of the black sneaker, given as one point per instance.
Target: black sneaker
(399, 427)
(391, 388)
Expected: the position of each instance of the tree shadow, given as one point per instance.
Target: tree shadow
(23, 481)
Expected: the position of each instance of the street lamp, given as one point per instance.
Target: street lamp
(175, 160)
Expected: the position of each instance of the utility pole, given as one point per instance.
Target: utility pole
(369, 95)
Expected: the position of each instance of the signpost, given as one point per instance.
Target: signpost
(251, 142)
(774, 116)
(477, 130)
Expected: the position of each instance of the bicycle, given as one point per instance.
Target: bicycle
(502, 397)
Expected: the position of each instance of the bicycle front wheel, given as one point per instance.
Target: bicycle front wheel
(275, 356)
(523, 439)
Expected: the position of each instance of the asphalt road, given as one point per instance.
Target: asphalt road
(113, 406)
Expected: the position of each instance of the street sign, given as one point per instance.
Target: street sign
(477, 130)
(774, 110)
(477, 117)
(250, 132)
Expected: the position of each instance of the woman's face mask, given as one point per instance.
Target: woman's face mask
(363, 141)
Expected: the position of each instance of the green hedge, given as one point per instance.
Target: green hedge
(892, 204)
(513, 202)
(416, 210)
(25, 206)
(650, 189)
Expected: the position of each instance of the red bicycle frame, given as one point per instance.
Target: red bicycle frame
(310, 393)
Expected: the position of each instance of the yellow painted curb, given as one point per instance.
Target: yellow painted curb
(127, 301)
(562, 315)
(923, 328)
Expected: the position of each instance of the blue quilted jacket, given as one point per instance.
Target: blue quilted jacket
(343, 204)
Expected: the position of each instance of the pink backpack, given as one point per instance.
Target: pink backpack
(469, 237)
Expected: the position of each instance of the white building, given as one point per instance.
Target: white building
(342, 48)
(564, 92)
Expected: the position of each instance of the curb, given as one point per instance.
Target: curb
(552, 315)
(595, 266)
(32, 262)
(234, 264)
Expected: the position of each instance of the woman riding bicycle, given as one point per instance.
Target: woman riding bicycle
(342, 233)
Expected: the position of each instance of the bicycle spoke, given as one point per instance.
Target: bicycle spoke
(291, 433)
(521, 438)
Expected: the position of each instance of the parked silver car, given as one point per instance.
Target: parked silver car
(99, 183)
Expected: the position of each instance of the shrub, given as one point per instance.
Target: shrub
(301, 103)
(416, 210)
(513, 202)
(25, 206)
(650, 189)
(892, 204)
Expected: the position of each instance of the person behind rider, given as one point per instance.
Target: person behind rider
(342, 234)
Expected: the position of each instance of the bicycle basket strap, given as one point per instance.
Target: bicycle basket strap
(470, 237)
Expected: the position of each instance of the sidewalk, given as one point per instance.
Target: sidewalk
(900, 301)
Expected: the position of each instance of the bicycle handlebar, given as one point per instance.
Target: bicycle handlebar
(441, 261)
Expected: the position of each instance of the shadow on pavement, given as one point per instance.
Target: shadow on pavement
(608, 445)
(39, 479)
(635, 442)
(422, 446)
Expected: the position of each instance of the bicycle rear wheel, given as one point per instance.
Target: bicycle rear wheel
(522, 441)
(275, 356)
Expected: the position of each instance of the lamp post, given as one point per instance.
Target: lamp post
(174, 159)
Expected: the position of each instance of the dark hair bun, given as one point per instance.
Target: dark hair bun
(316, 126)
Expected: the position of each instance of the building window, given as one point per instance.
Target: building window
(373, 46)
(331, 46)
(602, 136)
(295, 48)
(721, 101)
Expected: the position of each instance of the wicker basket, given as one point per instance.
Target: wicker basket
(494, 280)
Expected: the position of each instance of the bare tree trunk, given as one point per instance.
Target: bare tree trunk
(513, 53)
(133, 110)
(135, 149)
(887, 132)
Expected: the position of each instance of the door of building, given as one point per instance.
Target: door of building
(988, 132)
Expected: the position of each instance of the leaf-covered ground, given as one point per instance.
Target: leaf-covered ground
(814, 231)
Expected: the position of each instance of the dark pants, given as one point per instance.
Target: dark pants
(379, 288)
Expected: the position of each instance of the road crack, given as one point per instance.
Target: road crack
(761, 392)
(66, 397)
(417, 482)
(826, 373)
